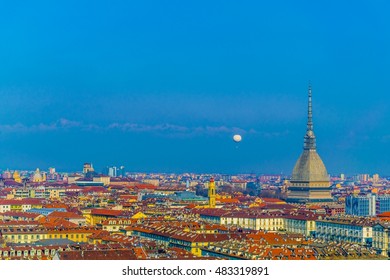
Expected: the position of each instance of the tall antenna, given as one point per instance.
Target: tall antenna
(310, 139)
(310, 111)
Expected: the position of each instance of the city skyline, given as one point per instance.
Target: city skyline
(163, 88)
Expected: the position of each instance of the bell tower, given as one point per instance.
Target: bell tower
(211, 193)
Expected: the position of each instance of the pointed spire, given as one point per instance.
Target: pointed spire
(309, 112)
(310, 139)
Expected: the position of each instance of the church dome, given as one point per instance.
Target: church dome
(37, 176)
(309, 167)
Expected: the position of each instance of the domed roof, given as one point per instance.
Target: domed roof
(37, 176)
(309, 167)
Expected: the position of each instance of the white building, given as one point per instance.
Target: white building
(302, 223)
(381, 238)
(354, 230)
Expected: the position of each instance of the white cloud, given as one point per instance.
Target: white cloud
(160, 129)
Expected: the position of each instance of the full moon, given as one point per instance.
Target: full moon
(237, 138)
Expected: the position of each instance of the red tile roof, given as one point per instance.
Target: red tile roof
(384, 215)
(16, 214)
(145, 186)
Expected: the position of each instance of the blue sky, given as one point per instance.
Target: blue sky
(164, 85)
